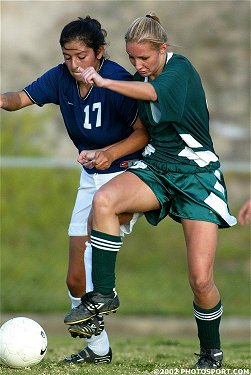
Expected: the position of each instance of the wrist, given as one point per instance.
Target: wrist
(111, 154)
(106, 83)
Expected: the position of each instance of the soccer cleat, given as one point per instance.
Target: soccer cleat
(92, 304)
(209, 358)
(93, 326)
(88, 356)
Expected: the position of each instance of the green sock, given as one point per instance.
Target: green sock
(104, 252)
(208, 323)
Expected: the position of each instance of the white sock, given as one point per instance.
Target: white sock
(99, 344)
(75, 301)
(88, 267)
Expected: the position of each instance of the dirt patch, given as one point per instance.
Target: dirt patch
(116, 325)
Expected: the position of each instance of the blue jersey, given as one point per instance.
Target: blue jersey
(99, 119)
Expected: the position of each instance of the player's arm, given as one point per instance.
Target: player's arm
(12, 101)
(136, 141)
(103, 158)
(132, 89)
(135, 90)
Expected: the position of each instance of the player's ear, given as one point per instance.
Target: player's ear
(163, 48)
(100, 53)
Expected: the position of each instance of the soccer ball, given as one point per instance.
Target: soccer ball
(23, 343)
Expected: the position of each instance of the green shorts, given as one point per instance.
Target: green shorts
(199, 196)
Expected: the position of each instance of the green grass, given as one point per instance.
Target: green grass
(133, 355)
(35, 211)
(37, 131)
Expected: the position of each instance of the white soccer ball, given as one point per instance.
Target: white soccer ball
(23, 343)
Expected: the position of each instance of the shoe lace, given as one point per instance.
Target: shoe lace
(88, 303)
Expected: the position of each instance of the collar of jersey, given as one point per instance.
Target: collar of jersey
(88, 93)
(168, 57)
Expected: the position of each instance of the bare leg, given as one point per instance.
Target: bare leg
(201, 241)
(76, 268)
(125, 193)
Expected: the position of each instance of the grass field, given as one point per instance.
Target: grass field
(35, 211)
(36, 207)
(136, 355)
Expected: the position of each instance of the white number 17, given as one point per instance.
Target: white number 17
(95, 107)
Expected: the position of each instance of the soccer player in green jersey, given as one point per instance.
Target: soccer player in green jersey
(178, 176)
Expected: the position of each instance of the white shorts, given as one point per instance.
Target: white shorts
(89, 185)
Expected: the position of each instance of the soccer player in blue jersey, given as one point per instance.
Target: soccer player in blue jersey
(108, 135)
(178, 176)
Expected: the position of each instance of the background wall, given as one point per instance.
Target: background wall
(215, 35)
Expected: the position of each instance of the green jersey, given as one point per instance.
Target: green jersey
(178, 122)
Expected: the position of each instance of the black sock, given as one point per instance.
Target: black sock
(208, 322)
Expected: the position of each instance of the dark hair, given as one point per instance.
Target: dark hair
(86, 30)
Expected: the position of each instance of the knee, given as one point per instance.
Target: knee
(102, 201)
(201, 285)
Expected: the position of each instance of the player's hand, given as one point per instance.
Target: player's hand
(103, 160)
(87, 158)
(244, 215)
(91, 76)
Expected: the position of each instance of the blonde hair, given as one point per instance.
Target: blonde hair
(147, 29)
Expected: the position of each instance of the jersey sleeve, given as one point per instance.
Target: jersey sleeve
(46, 88)
(171, 89)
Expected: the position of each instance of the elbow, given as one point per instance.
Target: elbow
(141, 139)
(152, 95)
(8, 109)
(142, 133)
(145, 138)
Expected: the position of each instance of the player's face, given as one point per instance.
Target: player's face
(147, 60)
(77, 54)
